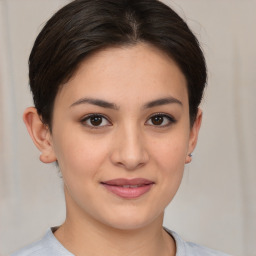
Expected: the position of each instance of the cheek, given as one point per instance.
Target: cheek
(80, 161)
(79, 155)
(170, 153)
(171, 161)
(170, 156)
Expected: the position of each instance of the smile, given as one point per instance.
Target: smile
(131, 186)
(128, 189)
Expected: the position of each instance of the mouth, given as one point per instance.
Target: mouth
(128, 188)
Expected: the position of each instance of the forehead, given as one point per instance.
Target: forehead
(140, 70)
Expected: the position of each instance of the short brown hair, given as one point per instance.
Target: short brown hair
(86, 26)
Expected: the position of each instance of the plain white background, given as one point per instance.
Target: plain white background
(215, 205)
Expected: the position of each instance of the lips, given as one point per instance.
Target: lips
(128, 188)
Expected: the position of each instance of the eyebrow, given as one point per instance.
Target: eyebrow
(106, 104)
(97, 102)
(162, 101)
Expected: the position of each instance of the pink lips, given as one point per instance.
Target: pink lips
(128, 188)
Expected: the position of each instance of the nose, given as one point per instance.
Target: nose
(129, 149)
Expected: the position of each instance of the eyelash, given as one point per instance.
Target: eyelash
(89, 118)
(170, 120)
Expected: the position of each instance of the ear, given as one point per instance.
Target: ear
(194, 135)
(40, 134)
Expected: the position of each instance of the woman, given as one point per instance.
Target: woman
(117, 86)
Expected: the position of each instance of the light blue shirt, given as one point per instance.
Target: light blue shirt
(50, 246)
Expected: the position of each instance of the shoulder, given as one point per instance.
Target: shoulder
(47, 246)
(33, 249)
(191, 249)
(195, 249)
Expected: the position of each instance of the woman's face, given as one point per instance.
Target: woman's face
(121, 135)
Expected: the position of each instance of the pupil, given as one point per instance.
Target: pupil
(157, 120)
(96, 120)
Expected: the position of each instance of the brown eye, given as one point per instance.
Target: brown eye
(157, 120)
(95, 121)
(161, 120)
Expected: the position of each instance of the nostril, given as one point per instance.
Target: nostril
(131, 164)
(129, 150)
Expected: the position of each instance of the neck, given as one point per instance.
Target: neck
(151, 240)
(83, 235)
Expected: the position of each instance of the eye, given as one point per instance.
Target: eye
(161, 120)
(95, 121)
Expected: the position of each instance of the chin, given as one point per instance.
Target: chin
(128, 226)
(131, 221)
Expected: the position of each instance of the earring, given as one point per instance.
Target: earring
(189, 158)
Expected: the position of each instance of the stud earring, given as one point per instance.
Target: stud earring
(188, 158)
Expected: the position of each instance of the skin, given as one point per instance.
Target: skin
(128, 143)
